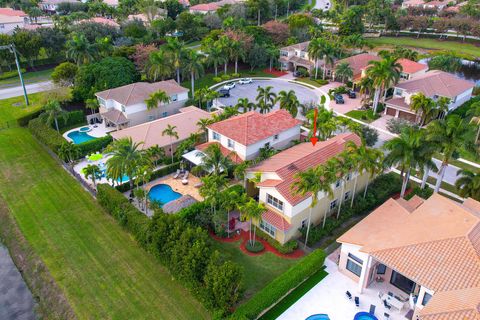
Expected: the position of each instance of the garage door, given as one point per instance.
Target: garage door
(407, 116)
(391, 112)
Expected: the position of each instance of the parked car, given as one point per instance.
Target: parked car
(338, 98)
(224, 93)
(352, 94)
(245, 81)
(229, 86)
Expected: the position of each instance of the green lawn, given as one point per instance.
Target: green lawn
(100, 267)
(259, 270)
(363, 115)
(14, 108)
(317, 83)
(467, 49)
(28, 77)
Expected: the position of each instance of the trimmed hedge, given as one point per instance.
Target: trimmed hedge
(74, 118)
(23, 121)
(286, 248)
(46, 134)
(156, 174)
(257, 247)
(280, 286)
(94, 145)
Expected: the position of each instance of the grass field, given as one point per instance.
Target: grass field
(102, 271)
(14, 108)
(466, 49)
(363, 115)
(258, 270)
(28, 77)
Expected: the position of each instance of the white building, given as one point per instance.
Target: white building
(12, 19)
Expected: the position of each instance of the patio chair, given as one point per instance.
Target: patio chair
(386, 305)
(176, 174)
(185, 176)
(386, 316)
(349, 295)
(372, 309)
(357, 302)
(390, 294)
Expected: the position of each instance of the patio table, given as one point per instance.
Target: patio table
(394, 302)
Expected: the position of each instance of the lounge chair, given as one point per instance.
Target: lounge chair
(386, 316)
(386, 305)
(185, 176)
(357, 301)
(349, 295)
(372, 309)
(176, 174)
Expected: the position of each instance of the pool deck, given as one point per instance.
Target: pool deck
(96, 131)
(177, 185)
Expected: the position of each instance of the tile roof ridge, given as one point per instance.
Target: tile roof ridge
(130, 93)
(461, 237)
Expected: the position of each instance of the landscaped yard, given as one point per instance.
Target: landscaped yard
(102, 270)
(466, 49)
(317, 83)
(28, 77)
(14, 108)
(363, 115)
(259, 270)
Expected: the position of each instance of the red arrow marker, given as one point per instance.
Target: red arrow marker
(314, 138)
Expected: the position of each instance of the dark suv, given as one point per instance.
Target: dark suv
(224, 93)
(352, 94)
(338, 98)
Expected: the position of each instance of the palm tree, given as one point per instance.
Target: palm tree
(384, 73)
(203, 124)
(315, 52)
(213, 160)
(344, 71)
(366, 88)
(450, 135)
(245, 104)
(238, 51)
(159, 65)
(52, 111)
(172, 133)
(225, 45)
(288, 101)
(194, 66)
(215, 57)
(405, 151)
(344, 165)
(144, 174)
(424, 106)
(155, 153)
(474, 114)
(231, 201)
(176, 50)
(68, 152)
(327, 123)
(155, 99)
(313, 181)
(80, 50)
(211, 185)
(126, 158)
(468, 185)
(272, 53)
(252, 210)
(265, 98)
(330, 53)
(93, 172)
(92, 104)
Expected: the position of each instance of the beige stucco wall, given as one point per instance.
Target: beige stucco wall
(149, 115)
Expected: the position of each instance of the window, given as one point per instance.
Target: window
(267, 145)
(346, 196)
(338, 184)
(349, 176)
(381, 268)
(151, 118)
(354, 264)
(426, 297)
(164, 114)
(174, 97)
(216, 136)
(274, 202)
(231, 144)
(275, 137)
(333, 204)
(284, 53)
(302, 54)
(398, 92)
(100, 100)
(123, 108)
(268, 228)
(304, 223)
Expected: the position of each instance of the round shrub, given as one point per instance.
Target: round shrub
(235, 75)
(255, 247)
(225, 77)
(217, 79)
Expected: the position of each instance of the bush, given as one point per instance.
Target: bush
(10, 74)
(369, 135)
(396, 125)
(156, 174)
(280, 286)
(286, 248)
(217, 79)
(225, 77)
(255, 247)
(302, 73)
(64, 73)
(463, 109)
(235, 75)
(94, 145)
(422, 193)
(45, 134)
(74, 118)
(23, 121)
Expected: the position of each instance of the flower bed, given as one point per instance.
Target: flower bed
(275, 72)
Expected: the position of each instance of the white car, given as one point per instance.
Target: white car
(245, 81)
(229, 86)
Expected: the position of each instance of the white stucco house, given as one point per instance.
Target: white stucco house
(12, 19)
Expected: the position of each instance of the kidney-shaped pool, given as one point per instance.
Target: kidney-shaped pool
(163, 193)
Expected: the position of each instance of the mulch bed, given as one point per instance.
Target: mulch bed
(407, 192)
(268, 248)
(275, 72)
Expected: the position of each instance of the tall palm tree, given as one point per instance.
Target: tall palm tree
(225, 45)
(171, 133)
(366, 88)
(252, 210)
(80, 50)
(423, 106)
(92, 104)
(215, 57)
(450, 135)
(238, 52)
(52, 111)
(203, 124)
(144, 174)
(245, 104)
(344, 165)
(156, 99)
(288, 101)
(344, 71)
(176, 50)
(231, 200)
(126, 158)
(92, 171)
(405, 151)
(194, 66)
(468, 185)
(273, 53)
(68, 152)
(384, 73)
(211, 185)
(315, 51)
(474, 114)
(313, 181)
(213, 160)
(327, 123)
(265, 98)
(159, 65)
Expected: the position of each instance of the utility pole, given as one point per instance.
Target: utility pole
(12, 49)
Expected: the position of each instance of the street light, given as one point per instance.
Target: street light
(12, 49)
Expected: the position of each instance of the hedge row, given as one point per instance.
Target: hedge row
(156, 174)
(183, 248)
(280, 286)
(74, 118)
(381, 189)
(23, 121)
(94, 145)
(286, 248)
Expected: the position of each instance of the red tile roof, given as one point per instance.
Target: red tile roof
(204, 7)
(12, 13)
(226, 152)
(409, 66)
(252, 126)
(276, 220)
(359, 62)
(299, 158)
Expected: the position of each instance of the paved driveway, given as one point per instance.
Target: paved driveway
(31, 88)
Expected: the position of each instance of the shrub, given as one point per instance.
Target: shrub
(45, 134)
(225, 77)
(396, 125)
(217, 79)
(463, 109)
(286, 248)
(23, 121)
(94, 145)
(235, 75)
(370, 136)
(302, 73)
(422, 193)
(256, 247)
(64, 73)
(280, 286)
(156, 174)
(74, 118)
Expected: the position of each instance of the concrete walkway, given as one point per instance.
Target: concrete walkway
(31, 88)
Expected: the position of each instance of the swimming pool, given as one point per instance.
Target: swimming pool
(318, 317)
(364, 316)
(163, 193)
(80, 135)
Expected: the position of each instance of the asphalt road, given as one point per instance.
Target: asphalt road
(31, 88)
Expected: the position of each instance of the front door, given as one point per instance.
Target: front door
(402, 282)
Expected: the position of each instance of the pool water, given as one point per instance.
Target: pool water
(163, 193)
(364, 316)
(318, 317)
(79, 137)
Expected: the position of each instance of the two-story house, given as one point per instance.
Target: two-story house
(421, 255)
(433, 84)
(241, 137)
(11, 19)
(295, 56)
(125, 106)
(51, 6)
(288, 211)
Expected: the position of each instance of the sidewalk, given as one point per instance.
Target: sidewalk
(31, 88)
